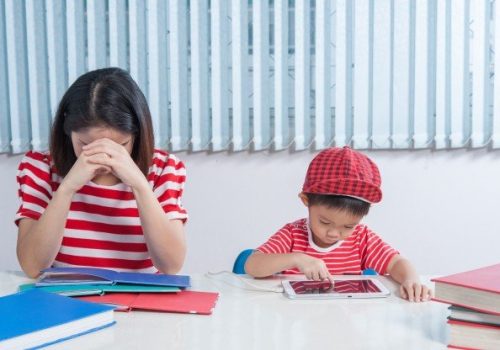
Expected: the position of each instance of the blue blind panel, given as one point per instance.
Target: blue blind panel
(223, 75)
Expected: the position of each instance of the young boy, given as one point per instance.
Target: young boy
(339, 188)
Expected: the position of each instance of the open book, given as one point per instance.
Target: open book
(88, 275)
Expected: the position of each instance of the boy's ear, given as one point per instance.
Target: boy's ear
(304, 199)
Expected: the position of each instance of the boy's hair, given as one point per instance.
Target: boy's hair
(106, 97)
(350, 205)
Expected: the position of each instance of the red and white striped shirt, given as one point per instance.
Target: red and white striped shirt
(363, 249)
(103, 227)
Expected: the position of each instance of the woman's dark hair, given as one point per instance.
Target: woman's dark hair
(351, 205)
(106, 97)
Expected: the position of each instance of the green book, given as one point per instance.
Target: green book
(90, 289)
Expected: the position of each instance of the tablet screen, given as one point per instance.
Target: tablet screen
(340, 286)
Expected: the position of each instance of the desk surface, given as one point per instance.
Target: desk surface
(245, 319)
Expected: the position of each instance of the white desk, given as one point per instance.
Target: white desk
(246, 319)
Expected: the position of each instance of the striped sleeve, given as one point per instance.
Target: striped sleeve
(279, 243)
(169, 186)
(34, 186)
(375, 253)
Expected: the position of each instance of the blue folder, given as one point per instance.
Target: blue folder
(35, 318)
(88, 275)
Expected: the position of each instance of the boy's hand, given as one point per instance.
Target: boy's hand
(313, 268)
(414, 291)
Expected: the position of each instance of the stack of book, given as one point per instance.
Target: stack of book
(475, 307)
(126, 290)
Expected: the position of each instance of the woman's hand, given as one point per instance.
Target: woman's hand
(313, 268)
(84, 170)
(118, 160)
(413, 290)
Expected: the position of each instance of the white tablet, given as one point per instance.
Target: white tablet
(344, 288)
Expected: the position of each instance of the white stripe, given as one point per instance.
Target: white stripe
(145, 270)
(103, 236)
(105, 219)
(169, 185)
(33, 207)
(35, 193)
(104, 253)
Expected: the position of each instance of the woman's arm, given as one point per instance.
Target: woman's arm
(164, 237)
(38, 241)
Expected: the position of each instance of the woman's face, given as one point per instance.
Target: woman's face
(88, 135)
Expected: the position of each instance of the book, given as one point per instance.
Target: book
(477, 289)
(99, 289)
(89, 275)
(192, 302)
(469, 335)
(35, 318)
(458, 313)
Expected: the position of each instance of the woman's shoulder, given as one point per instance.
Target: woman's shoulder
(166, 164)
(41, 160)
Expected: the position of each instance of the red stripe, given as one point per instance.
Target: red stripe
(104, 262)
(44, 175)
(106, 193)
(100, 227)
(27, 198)
(103, 210)
(106, 245)
(26, 213)
(27, 181)
(179, 179)
(168, 194)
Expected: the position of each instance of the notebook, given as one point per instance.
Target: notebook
(88, 275)
(99, 289)
(191, 302)
(34, 318)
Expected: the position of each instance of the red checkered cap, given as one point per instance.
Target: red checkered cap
(344, 172)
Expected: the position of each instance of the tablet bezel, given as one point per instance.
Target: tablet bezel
(290, 293)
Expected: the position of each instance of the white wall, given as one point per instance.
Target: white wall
(439, 209)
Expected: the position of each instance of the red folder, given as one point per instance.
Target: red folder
(191, 302)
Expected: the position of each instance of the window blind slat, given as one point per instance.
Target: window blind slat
(75, 28)
(443, 71)
(37, 75)
(57, 53)
(459, 99)
(423, 109)
(381, 114)
(281, 122)
(322, 69)
(20, 122)
(496, 83)
(480, 22)
(200, 113)
(157, 69)
(343, 72)
(118, 33)
(240, 76)
(401, 76)
(361, 93)
(4, 87)
(96, 34)
(261, 91)
(178, 75)
(138, 43)
(303, 135)
(219, 75)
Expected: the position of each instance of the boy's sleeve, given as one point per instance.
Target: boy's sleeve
(169, 186)
(375, 253)
(279, 243)
(34, 186)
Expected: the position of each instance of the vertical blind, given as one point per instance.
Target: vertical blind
(264, 75)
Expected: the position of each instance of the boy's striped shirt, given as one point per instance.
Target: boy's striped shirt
(103, 227)
(363, 249)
